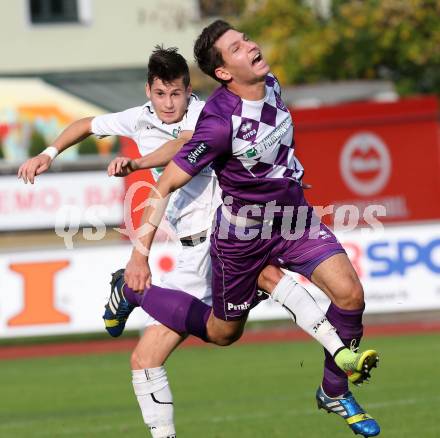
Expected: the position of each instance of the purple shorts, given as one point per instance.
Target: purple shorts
(237, 261)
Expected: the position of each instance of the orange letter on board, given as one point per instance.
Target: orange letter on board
(39, 294)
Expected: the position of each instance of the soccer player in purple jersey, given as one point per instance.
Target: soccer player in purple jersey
(172, 111)
(246, 133)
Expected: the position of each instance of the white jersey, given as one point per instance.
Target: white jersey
(192, 207)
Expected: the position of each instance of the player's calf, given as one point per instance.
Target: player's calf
(155, 400)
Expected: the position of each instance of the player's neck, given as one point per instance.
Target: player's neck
(256, 91)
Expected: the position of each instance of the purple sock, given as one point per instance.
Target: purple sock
(131, 296)
(175, 309)
(348, 323)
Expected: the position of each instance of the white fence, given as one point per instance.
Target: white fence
(64, 291)
(86, 198)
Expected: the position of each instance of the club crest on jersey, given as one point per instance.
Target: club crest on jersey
(197, 153)
(176, 132)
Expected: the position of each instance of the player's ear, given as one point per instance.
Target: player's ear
(148, 90)
(188, 91)
(223, 74)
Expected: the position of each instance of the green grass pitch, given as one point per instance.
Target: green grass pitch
(264, 390)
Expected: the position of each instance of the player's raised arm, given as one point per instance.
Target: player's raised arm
(74, 133)
(210, 140)
(137, 272)
(123, 166)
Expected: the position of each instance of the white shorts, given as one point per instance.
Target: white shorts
(192, 274)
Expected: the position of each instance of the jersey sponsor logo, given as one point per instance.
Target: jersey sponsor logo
(365, 164)
(243, 306)
(250, 153)
(249, 134)
(272, 139)
(247, 130)
(245, 127)
(197, 153)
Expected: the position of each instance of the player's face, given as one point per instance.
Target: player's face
(169, 99)
(243, 61)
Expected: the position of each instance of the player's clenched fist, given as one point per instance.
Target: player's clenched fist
(121, 166)
(137, 273)
(33, 167)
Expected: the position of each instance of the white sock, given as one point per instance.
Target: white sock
(306, 313)
(155, 400)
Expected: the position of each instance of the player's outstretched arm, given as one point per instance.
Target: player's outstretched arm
(123, 166)
(74, 133)
(137, 271)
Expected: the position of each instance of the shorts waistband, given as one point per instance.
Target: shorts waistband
(195, 239)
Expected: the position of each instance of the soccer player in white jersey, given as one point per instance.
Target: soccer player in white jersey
(171, 112)
(246, 133)
(160, 127)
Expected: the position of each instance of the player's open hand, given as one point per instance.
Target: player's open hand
(33, 167)
(137, 273)
(121, 166)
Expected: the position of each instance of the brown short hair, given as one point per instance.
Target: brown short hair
(208, 57)
(167, 65)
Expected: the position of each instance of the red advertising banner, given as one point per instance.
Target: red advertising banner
(360, 154)
(384, 153)
(140, 194)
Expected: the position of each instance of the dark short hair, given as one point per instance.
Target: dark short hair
(208, 57)
(167, 65)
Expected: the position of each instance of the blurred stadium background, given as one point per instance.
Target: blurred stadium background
(362, 79)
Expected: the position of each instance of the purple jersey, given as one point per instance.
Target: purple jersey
(251, 147)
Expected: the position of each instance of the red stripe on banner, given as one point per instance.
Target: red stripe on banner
(250, 337)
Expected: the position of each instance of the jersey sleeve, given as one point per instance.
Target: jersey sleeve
(122, 123)
(211, 139)
(192, 115)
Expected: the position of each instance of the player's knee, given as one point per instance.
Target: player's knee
(351, 294)
(269, 278)
(140, 361)
(225, 337)
(136, 361)
(224, 340)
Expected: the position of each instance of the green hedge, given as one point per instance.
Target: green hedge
(88, 147)
(37, 144)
